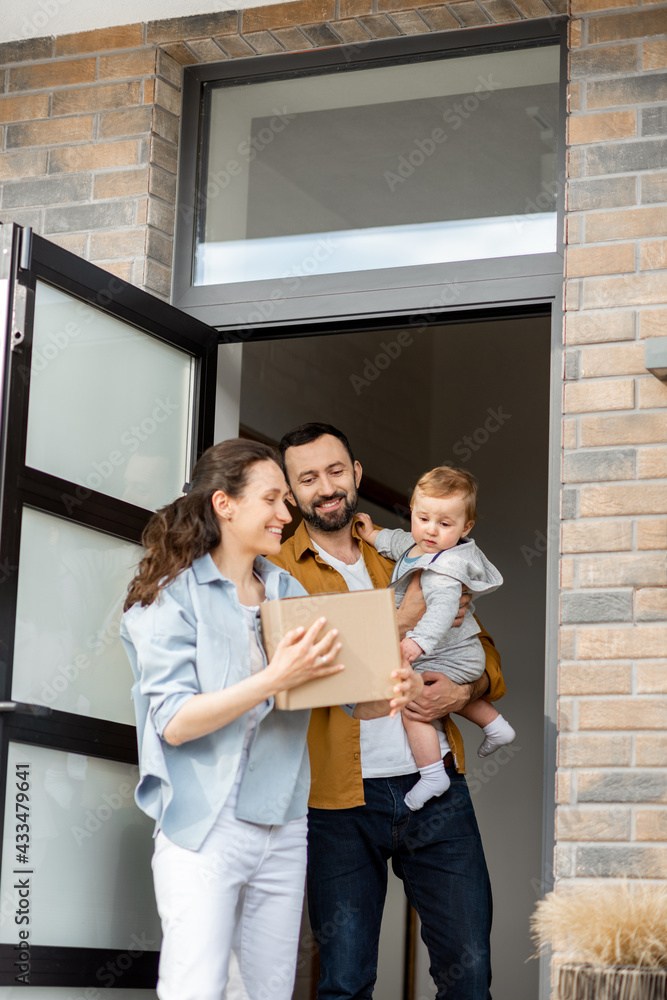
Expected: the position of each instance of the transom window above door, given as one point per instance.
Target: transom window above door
(386, 167)
(300, 169)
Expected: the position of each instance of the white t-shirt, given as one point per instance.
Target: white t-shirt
(355, 575)
(385, 750)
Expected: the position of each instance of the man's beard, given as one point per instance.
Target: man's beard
(337, 519)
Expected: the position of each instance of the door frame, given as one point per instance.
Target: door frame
(483, 301)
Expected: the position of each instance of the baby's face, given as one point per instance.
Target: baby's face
(439, 522)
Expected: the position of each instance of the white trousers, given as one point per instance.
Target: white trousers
(241, 891)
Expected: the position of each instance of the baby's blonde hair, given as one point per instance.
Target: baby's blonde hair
(446, 481)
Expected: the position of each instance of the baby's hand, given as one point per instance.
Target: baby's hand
(366, 529)
(410, 650)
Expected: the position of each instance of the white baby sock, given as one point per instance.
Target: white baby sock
(434, 781)
(497, 734)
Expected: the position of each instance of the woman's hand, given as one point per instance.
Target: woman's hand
(300, 656)
(410, 686)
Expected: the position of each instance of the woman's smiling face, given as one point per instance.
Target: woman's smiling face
(257, 518)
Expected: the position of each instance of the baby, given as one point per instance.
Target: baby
(443, 507)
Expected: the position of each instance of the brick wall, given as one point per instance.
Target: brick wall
(612, 781)
(89, 121)
(89, 150)
(89, 145)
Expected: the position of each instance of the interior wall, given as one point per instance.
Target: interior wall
(228, 391)
(351, 381)
(474, 395)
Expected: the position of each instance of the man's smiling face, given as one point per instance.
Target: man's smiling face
(323, 482)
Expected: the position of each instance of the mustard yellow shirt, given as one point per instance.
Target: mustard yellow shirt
(333, 737)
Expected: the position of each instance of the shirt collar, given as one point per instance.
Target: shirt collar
(206, 571)
(302, 541)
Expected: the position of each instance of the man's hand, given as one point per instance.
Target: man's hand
(466, 598)
(442, 696)
(412, 606)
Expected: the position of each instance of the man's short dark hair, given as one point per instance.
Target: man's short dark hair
(305, 434)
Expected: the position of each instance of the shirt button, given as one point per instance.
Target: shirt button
(251, 767)
(356, 756)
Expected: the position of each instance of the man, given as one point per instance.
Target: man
(362, 771)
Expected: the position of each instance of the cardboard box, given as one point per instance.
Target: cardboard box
(368, 629)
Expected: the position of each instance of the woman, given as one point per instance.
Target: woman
(225, 777)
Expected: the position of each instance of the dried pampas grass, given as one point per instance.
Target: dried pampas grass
(605, 924)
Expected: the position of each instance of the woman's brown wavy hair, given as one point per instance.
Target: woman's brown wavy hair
(188, 528)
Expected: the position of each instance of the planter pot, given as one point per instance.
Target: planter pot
(594, 982)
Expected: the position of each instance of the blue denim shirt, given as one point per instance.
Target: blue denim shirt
(194, 638)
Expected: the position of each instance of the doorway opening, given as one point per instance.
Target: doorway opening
(475, 395)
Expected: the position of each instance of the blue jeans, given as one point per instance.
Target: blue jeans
(437, 852)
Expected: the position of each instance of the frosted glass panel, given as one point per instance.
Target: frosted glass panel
(71, 588)
(88, 874)
(110, 407)
(72, 993)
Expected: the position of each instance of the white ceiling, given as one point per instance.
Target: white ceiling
(34, 18)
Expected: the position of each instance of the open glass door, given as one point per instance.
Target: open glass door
(107, 401)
